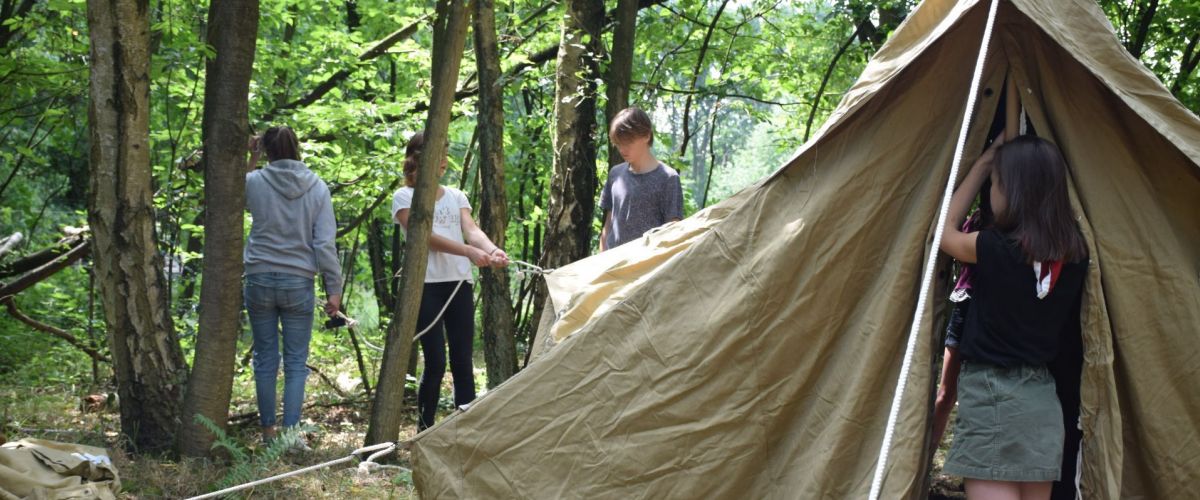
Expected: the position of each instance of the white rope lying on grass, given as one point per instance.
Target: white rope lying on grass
(902, 381)
(379, 450)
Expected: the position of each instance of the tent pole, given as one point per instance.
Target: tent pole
(927, 279)
(1012, 107)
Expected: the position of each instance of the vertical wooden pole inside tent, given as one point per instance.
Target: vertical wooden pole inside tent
(1012, 107)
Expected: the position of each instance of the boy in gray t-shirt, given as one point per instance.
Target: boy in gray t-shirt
(642, 193)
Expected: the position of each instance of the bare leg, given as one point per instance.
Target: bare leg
(979, 489)
(1036, 490)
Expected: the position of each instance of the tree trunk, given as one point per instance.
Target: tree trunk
(449, 36)
(232, 29)
(620, 68)
(696, 74)
(380, 277)
(573, 185)
(1187, 64)
(147, 359)
(1137, 44)
(499, 344)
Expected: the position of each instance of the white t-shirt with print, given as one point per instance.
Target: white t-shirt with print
(447, 223)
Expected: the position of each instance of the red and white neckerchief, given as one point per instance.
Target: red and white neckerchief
(1047, 274)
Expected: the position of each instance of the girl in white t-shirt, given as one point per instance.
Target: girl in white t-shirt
(455, 244)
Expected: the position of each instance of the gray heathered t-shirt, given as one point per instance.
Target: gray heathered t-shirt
(640, 202)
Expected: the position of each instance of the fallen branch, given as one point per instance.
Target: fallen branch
(41, 257)
(45, 270)
(325, 379)
(245, 418)
(10, 241)
(11, 305)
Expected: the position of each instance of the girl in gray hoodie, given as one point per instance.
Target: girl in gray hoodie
(291, 240)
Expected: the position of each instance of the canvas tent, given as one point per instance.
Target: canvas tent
(753, 349)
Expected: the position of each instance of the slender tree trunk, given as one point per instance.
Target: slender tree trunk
(499, 344)
(573, 185)
(449, 36)
(1191, 57)
(620, 68)
(696, 75)
(1137, 45)
(190, 270)
(712, 155)
(816, 104)
(380, 277)
(147, 359)
(233, 31)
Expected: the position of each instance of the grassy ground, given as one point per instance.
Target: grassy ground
(54, 411)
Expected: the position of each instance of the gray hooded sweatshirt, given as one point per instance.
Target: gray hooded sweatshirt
(293, 228)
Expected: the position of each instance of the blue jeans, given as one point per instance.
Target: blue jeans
(273, 299)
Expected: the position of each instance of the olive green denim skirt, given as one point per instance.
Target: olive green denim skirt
(1009, 427)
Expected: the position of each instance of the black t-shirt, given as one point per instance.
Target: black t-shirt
(1007, 324)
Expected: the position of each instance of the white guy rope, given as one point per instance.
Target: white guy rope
(529, 269)
(379, 449)
(885, 447)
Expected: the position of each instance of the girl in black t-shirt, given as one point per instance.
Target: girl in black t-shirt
(1027, 280)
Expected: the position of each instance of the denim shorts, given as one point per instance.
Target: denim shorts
(1009, 427)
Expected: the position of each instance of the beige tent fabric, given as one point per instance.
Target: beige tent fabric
(41, 469)
(587, 289)
(752, 351)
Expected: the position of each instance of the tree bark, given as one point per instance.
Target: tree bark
(572, 204)
(1191, 57)
(233, 32)
(1137, 44)
(449, 36)
(147, 359)
(380, 278)
(620, 68)
(712, 154)
(499, 344)
(573, 184)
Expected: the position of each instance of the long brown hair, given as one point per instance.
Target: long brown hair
(412, 158)
(1032, 174)
(281, 144)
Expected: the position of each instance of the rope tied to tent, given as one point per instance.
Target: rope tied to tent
(522, 267)
(927, 277)
(365, 466)
(525, 268)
